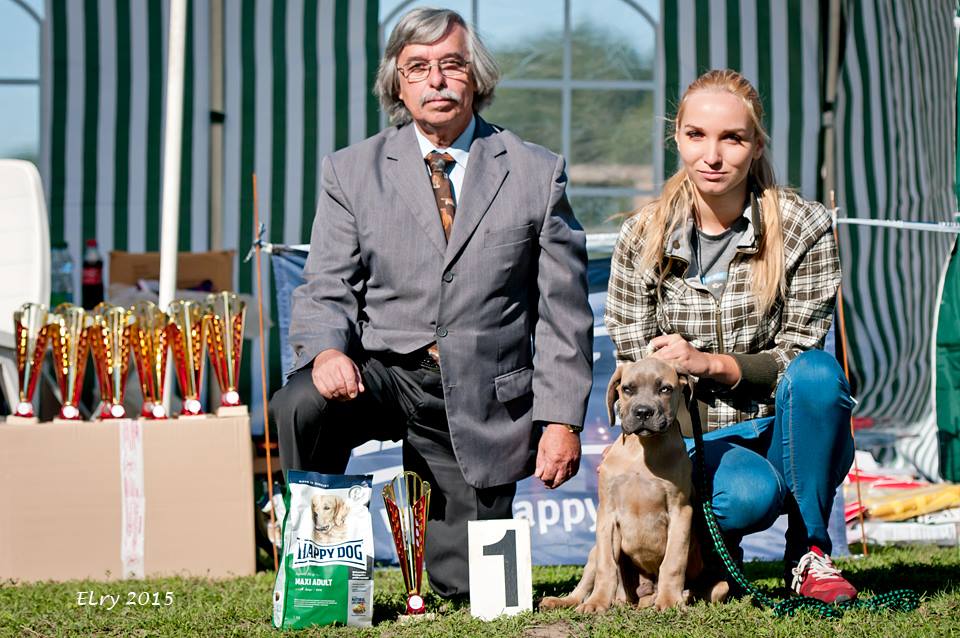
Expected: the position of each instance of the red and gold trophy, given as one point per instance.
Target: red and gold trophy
(407, 500)
(226, 313)
(110, 337)
(187, 332)
(70, 341)
(150, 355)
(30, 331)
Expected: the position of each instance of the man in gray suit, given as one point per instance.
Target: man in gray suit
(445, 301)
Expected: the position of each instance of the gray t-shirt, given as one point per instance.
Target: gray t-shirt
(712, 255)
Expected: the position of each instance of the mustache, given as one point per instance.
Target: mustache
(445, 94)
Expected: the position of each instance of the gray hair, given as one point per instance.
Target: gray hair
(426, 25)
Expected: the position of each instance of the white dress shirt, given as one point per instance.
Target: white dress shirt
(459, 151)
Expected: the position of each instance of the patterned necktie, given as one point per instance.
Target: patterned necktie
(438, 163)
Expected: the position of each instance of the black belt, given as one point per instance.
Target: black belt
(418, 359)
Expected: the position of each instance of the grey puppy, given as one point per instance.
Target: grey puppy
(645, 553)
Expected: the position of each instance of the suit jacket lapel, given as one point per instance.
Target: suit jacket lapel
(406, 169)
(486, 170)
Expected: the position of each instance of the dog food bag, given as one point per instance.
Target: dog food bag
(326, 573)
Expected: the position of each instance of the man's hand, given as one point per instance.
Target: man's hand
(336, 376)
(558, 456)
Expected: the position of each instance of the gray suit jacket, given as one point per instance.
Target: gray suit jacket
(505, 299)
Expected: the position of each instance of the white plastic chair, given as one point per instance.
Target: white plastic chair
(24, 257)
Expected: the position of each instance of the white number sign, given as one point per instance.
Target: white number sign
(500, 574)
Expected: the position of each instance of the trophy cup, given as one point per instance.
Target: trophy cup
(110, 337)
(407, 500)
(186, 333)
(150, 356)
(225, 316)
(30, 342)
(70, 341)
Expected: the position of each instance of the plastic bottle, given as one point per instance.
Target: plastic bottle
(92, 275)
(61, 275)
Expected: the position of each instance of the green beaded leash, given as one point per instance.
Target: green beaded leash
(897, 600)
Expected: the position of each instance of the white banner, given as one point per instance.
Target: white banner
(131, 498)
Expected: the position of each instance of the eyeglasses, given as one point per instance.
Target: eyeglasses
(449, 68)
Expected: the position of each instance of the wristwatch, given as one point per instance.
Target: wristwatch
(576, 429)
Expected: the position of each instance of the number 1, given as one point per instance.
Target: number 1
(507, 547)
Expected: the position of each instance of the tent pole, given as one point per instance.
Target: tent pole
(172, 143)
(842, 324)
(216, 124)
(828, 172)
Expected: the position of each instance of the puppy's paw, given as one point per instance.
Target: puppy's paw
(591, 606)
(720, 592)
(554, 602)
(666, 600)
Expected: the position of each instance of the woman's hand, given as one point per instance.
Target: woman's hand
(677, 350)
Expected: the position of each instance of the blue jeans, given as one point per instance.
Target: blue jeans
(789, 463)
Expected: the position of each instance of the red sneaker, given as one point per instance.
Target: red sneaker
(817, 577)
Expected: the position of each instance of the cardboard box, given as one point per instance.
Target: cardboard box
(192, 268)
(70, 511)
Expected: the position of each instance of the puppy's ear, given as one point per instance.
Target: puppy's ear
(612, 394)
(687, 383)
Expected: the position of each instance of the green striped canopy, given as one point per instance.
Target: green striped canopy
(776, 45)
(895, 160)
(297, 86)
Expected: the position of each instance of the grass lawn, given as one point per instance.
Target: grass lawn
(241, 607)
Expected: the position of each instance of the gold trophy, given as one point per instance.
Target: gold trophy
(30, 341)
(407, 500)
(70, 341)
(225, 315)
(110, 337)
(150, 356)
(186, 333)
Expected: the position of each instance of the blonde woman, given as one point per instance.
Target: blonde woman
(735, 279)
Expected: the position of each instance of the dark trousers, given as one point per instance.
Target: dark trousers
(401, 400)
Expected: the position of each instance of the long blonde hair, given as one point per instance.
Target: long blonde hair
(678, 199)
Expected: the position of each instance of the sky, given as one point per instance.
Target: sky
(19, 58)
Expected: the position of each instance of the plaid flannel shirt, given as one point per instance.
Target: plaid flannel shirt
(764, 345)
